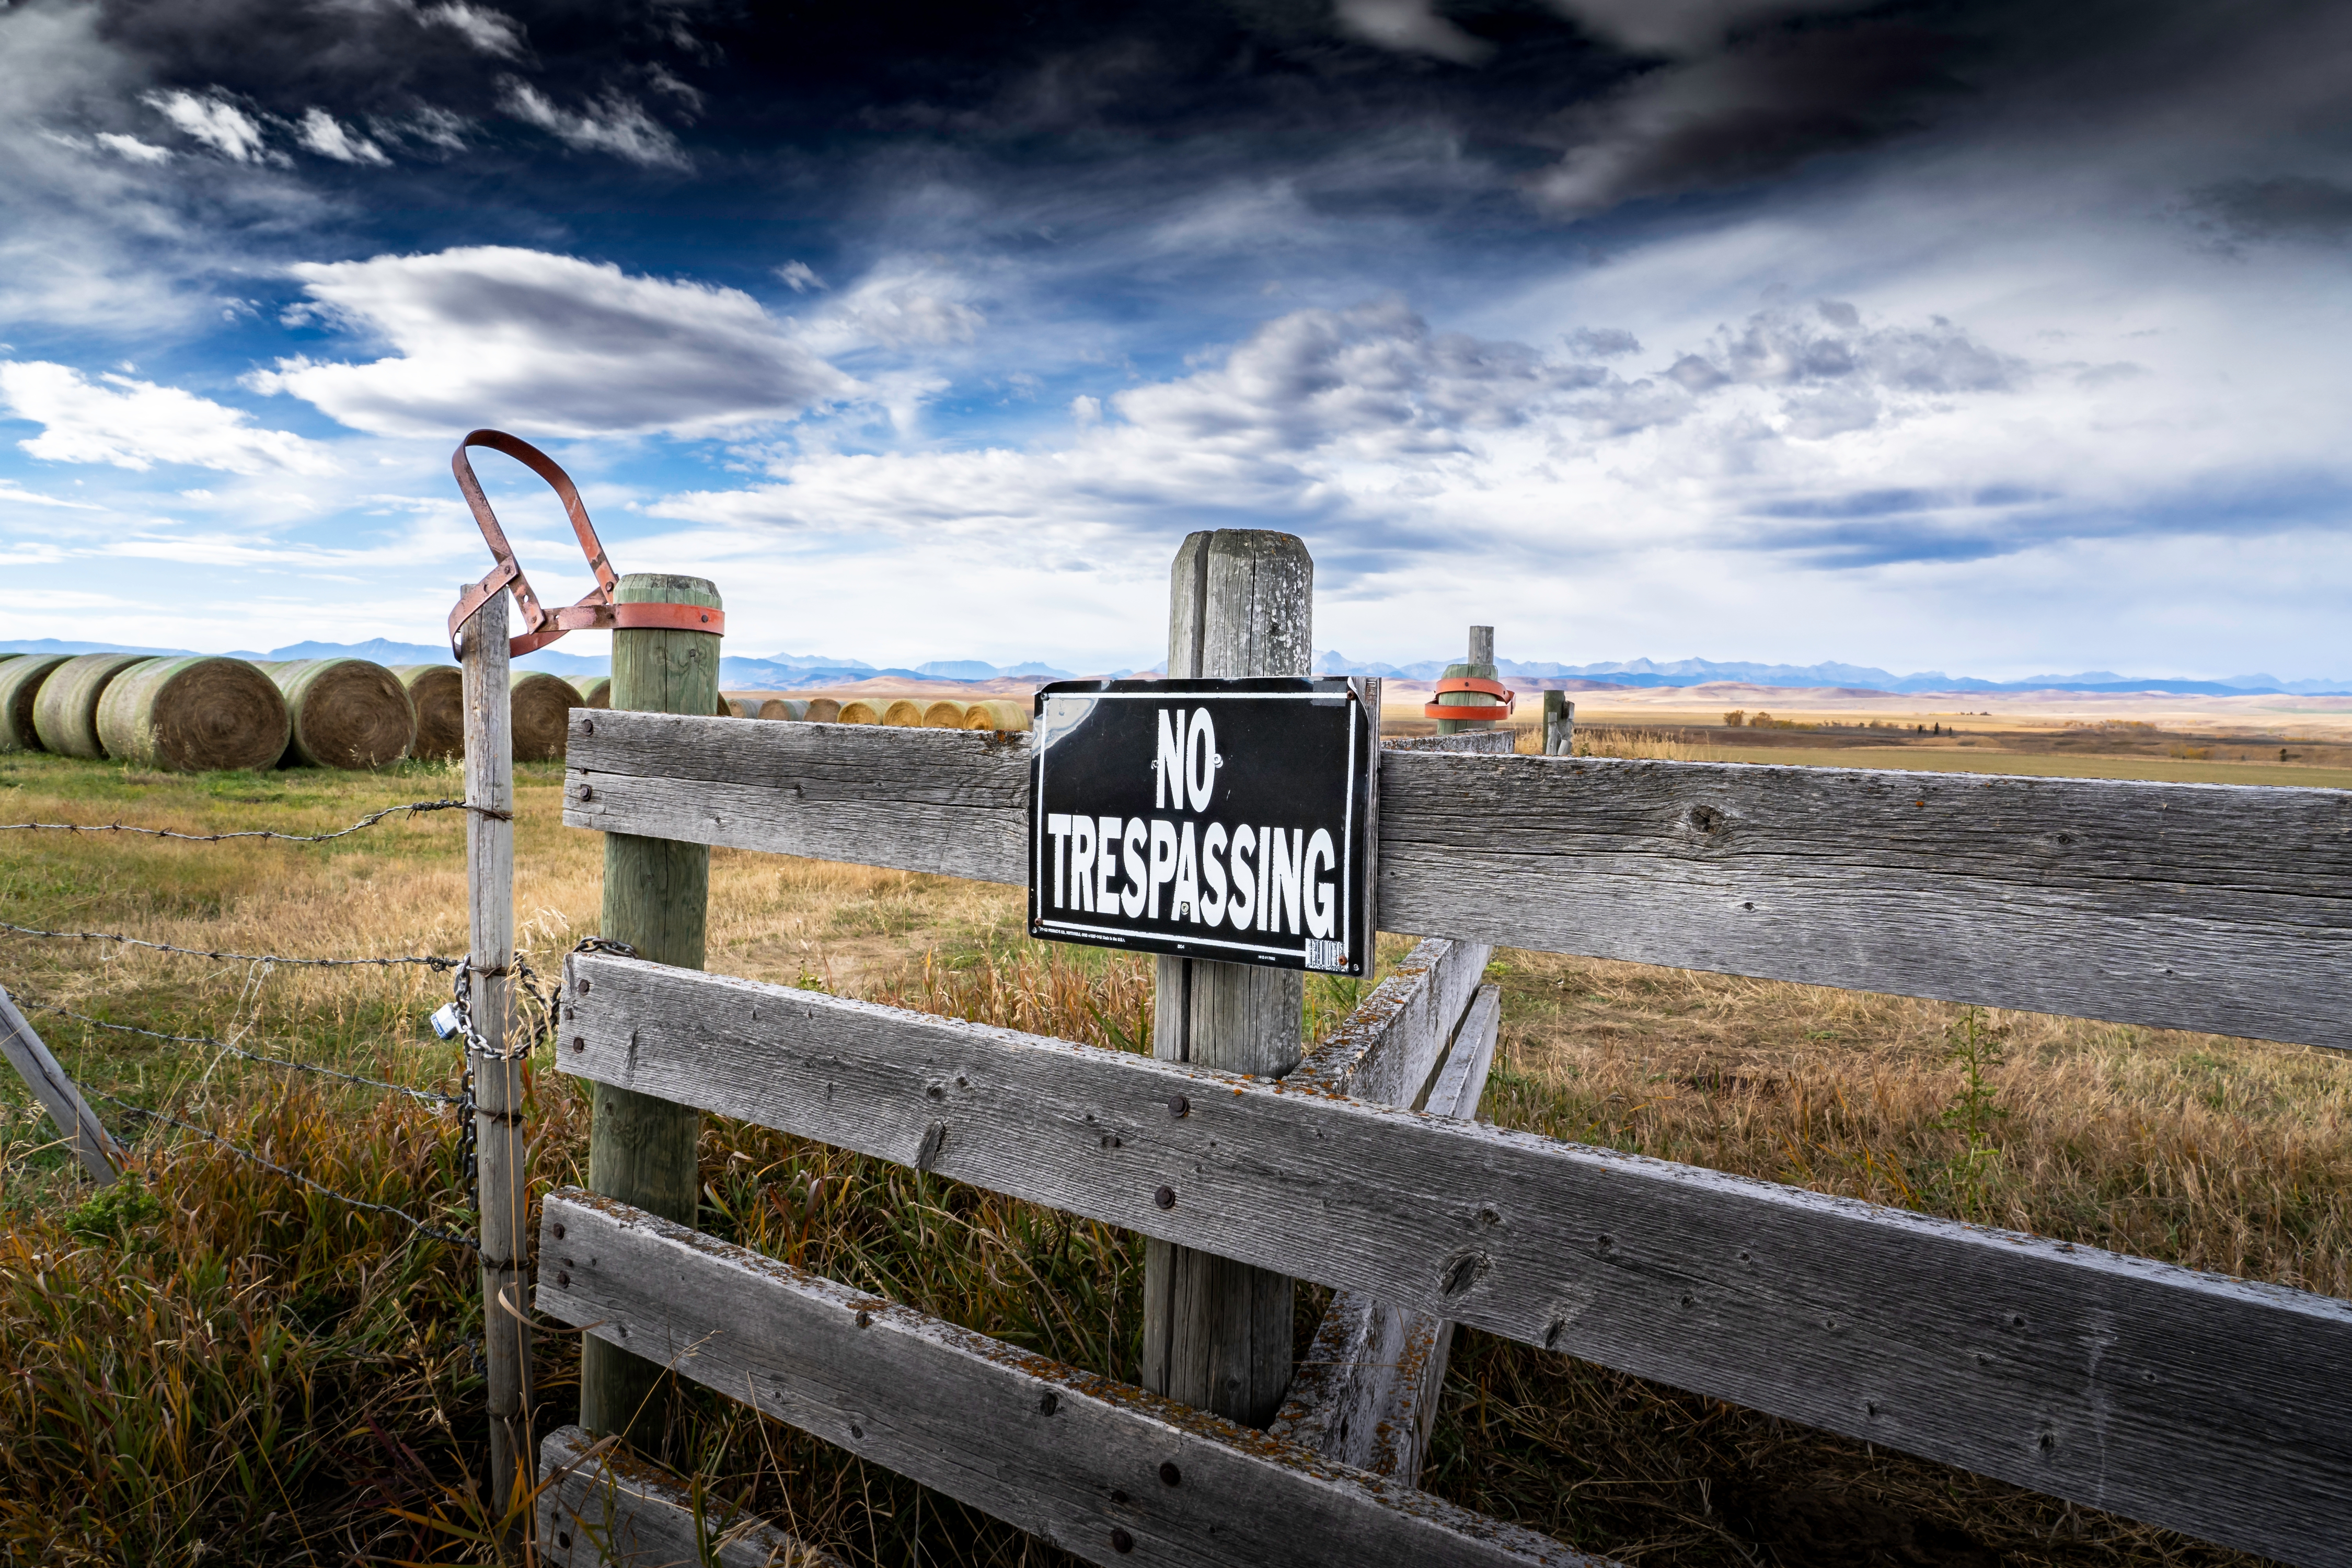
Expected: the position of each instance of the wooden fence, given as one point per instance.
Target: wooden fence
(2207, 1404)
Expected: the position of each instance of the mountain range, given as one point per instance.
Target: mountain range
(785, 671)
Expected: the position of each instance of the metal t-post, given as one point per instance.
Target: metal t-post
(1216, 1333)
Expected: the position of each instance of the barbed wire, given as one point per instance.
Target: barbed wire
(438, 964)
(431, 1097)
(413, 809)
(295, 1176)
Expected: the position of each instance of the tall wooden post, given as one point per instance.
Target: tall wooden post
(503, 1194)
(657, 898)
(1216, 1333)
(1480, 666)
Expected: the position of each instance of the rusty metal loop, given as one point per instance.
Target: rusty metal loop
(541, 626)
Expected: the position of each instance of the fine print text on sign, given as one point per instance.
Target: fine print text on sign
(1220, 819)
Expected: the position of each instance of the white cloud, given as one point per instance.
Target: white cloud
(132, 148)
(801, 276)
(321, 132)
(531, 342)
(491, 32)
(137, 423)
(11, 491)
(898, 307)
(1411, 27)
(615, 123)
(213, 120)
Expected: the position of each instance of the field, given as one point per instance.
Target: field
(213, 1363)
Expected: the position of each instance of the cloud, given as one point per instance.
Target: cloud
(1601, 343)
(1685, 26)
(801, 276)
(11, 491)
(613, 123)
(132, 148)
(320, 132)
(537, 343)
(2283, 208)
(213, 120)
(491, 32)
(1413, 27)
(137, 423)
(898, 309)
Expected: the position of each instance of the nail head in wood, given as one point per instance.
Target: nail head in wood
(1165, 1198)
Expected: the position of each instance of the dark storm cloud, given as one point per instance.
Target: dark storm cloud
(2287, 207)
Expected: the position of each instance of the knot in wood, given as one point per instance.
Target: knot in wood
(1462, 1270)
(1706, 819)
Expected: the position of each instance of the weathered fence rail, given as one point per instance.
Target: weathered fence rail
(2170, 1396)
(2225, 908)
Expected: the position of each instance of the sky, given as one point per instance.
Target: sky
(1981, 336)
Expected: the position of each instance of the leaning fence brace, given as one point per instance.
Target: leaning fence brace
(2180, 1398)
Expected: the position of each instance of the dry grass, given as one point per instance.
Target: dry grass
(213, 1364)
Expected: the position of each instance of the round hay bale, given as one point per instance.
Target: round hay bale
(943, 715)
(20, 684)
(542, 706)
(727, 709)
(997, 716)
(904, 712)
(595, 690)
(4, 658)
(860, 710)
(785, 708)
(347, 712)
(438, 692)
(824, 710)
(65, 715)
(195, 715)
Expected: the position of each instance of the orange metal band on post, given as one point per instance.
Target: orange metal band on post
(1502, 709)
(597, 612)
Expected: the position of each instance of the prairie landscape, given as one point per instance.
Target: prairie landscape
(212, 1362)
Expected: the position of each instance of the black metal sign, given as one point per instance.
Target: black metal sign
(1220, 819)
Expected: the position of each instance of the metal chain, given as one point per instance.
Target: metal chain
(431, 1097)
(428, 960)
(295, 1176)
(472, 1045)
(413, 809)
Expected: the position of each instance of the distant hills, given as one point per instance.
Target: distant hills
(783, 671)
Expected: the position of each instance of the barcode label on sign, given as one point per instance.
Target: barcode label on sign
(1321, 954)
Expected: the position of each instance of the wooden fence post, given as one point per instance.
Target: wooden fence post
(640, 1149)
(1216, 1333)
(1480, 666)
(1558, 725)
(503, 1191)
(98, 1154)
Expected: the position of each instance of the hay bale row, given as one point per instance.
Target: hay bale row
(20, 688)
(65, 714)
(438, 692)
(908, 712)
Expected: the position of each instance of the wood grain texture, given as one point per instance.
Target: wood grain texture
(1387, 1049)
(503, 1192)
(1216, 1332)
(2218, 907)
(77, 1123)
(1367, 1392)
(2149, 1390)
(1100, 1470)
(609, 1509)
(1476, 742)
(641, 1148)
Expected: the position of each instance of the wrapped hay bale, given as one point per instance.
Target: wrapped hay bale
(823, 711)
(65, 715)
(194, 715)
(438, 692)
(997, 716)
(20, 685)
(595, 690)
(860, 710)
(347, 714)
(785, 708)
(727, 709)
(904, 712)
(542, 706)
(943, 715)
